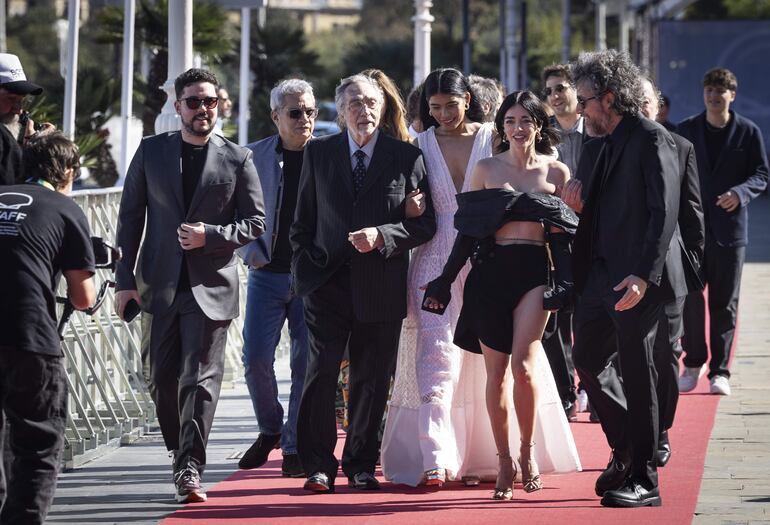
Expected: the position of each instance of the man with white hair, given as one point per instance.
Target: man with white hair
(14, 88)
(351, 239)
(271, 300)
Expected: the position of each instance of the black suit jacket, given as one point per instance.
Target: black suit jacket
(227, 199)
(327, 211)
(741, 167)
(634, 216)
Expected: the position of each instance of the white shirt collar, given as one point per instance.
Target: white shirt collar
(368, 148)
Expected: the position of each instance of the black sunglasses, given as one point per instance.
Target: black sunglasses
(195, 102)
(558, 88)
(583, 101)
(295, 114)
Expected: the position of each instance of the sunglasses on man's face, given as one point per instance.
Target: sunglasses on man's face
(296, 114)
(195, 102)
(558, 88)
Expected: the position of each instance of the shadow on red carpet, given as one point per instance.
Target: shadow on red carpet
(262, 495)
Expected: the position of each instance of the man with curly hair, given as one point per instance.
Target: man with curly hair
(621, 248)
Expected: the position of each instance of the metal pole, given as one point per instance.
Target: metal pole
(503, 54)
(511, 51)
(601, 25)
(624, 25)
(422, 29)
(466, 38)
(3, 14)
(523, 73)
(243, 99)
(179, 59)
(566, 30)
(127, 87)
(71, 81)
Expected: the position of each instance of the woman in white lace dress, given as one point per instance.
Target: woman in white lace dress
(419, 442)
(437, 427)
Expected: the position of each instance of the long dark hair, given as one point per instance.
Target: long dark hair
(449, 82)
(549, 137)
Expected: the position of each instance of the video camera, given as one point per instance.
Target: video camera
(105, 256)
(23, 119)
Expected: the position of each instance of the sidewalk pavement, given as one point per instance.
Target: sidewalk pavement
(133, 483)
(736, 478)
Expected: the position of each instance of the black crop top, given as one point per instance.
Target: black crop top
(481, 213)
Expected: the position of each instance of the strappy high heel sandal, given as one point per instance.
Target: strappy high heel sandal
(530, 474)
(435, 477)
(504, 487)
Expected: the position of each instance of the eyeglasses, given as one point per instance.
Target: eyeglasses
(583, 101)
(358, 104)
(195, 102)
(558, 88)
(296, 114)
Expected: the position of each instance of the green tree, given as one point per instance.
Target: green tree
(213, 38)
(277, 51)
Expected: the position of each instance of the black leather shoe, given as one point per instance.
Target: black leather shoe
(319, 483)
(291, 467)
(632, 494)
(257, 454)
(663, 454)
(364, 481)
(614, 475)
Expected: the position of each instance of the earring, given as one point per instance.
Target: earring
(537, 136)
(467, 106)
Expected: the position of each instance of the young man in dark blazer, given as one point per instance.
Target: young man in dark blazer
(623, 267)
(351, 242)
(733, 169)
(200, 198)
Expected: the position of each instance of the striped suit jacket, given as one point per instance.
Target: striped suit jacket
(328, 210)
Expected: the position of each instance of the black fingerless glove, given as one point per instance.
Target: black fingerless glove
(561, 295)
(440, 288)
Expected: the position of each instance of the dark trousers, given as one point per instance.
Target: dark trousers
(722, 268)
(332, 326)
(629, 418)
(33, 397)
(666, 351)
(183, 355)
(557, 342)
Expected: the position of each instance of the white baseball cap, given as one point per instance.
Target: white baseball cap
(12, 76)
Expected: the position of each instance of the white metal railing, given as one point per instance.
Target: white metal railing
(109, 401)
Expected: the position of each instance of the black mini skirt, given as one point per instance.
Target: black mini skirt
(493, 289)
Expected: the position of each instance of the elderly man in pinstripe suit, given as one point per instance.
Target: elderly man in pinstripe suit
(351, 239)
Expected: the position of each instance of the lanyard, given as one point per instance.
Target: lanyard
(41, 182)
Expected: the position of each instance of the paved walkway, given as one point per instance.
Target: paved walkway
(133, 484)
(736, 479)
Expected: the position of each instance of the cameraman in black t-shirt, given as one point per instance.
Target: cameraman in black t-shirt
(43, 234)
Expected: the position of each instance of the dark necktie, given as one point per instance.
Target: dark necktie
(359, 172)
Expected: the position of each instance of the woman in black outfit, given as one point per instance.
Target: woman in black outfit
(503, 224)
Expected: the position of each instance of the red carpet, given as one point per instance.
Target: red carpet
(262, 495)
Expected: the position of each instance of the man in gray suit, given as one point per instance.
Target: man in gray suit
(271, 299)
(351, 239)
(202, 200)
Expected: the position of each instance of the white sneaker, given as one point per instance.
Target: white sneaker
(720, 385)
(582, 401)
(689, 378)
